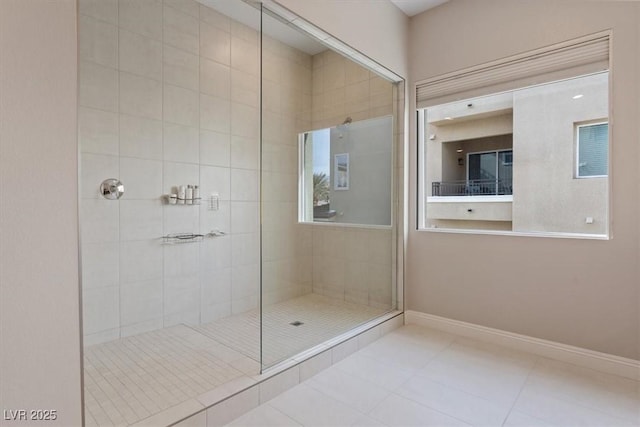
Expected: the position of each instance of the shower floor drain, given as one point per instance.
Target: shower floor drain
(296, 323)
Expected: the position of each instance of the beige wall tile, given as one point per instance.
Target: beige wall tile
(215, 79)
(215, 114)
(214, 18)
(104, 10)
(180, 106)
(245, 120)
(98, 87)
(140, 96)
(215, 44)
(180, 68)
(140, 137)
(244, 56)
(142, 17)
(181, 143)
(99, 42)
(140, 55)
(215, 148)
(245, 152)
(97, 131)
(245, 88)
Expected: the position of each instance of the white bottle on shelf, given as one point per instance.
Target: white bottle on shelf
(189, 197)
(182, 194)
(196, 195)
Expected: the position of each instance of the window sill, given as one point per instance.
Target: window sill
(517, 233)
(470, 199)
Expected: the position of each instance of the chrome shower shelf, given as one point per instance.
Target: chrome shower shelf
(175, 238)
(171, 239)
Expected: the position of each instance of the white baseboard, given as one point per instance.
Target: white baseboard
(621, 366)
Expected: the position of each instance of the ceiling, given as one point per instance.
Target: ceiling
(414, 7)
(247, 15)
(242, 12)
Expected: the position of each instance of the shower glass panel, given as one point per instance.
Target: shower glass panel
(322, 279)
(169, 96)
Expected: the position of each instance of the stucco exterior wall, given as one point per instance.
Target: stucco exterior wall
(547, 197)
(369, 145)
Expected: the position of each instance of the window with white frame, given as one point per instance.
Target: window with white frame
(500, 146)
(592, 150)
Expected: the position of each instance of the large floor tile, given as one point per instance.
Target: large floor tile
(430, 337)
(264, 415)
(310, 407)
(556, 411)
(489, 355)
(495, 374)
(366, 421)
(518, 419)
(387, 375)
(359, 394)
(399, 411)
(606, 393)
(409, 351)
(464, 406)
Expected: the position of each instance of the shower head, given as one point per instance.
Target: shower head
(343, 126)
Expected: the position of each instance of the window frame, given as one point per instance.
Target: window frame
(577, 127)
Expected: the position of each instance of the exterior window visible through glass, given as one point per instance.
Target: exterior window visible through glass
(514, 161)
(593, 150)
(490, 173)
(346, 173)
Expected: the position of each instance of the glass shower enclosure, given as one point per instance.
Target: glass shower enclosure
(205, 255)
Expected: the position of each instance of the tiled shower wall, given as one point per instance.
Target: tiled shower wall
(351, 263)
(169, 95)
(286, 103)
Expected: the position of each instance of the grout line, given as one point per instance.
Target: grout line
(513, 405)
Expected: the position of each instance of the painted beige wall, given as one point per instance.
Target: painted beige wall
(579, 292)
(39, 293)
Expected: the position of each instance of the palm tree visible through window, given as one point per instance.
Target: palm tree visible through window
(320, 188)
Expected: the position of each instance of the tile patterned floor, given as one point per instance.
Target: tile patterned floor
(130, 379)
(419, 377)
(322, 318)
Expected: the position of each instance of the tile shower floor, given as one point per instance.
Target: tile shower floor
(133, 378)
(321, 318)
(416, 376)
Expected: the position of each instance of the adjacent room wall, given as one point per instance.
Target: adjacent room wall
(578, 292)
(39, 291)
